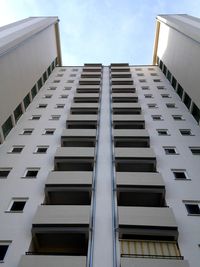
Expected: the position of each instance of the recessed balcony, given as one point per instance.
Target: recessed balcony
(68, 188)
(90, 81)
(120, 74)
(121, 81)
(128, 122)
(123, 89)
(91, 74)
(126, 108)
(131, 138)
(135, 160)
(74, 159)
(86, 98)
(140, 189)
(124, 98)
(82, 121)
(85, 89)
(81, 138)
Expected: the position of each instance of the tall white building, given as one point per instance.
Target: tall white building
(100, 166)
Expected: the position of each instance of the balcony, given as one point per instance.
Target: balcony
(126, 108)
(74, 159)
(91, 68)
(84, 108)
(123, 89)
(68, 188)
(121, 81)
(81, 138)
(131, 138)
(147, 223)
(124, 98)
(90, 81)
(140, 189)
(142, 262)
(60, 230)
(86, 98)
(120, 74)
(128, 122)
(51, 261)
(135, 160)
(84, 89)
(82, 121)
(91, 74)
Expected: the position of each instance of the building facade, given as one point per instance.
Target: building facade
(101, 170)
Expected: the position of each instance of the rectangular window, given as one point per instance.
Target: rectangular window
(157, 117)
(16, 149)
(27, 101)
(142, 81)
(17, 205)
(153, 74)
(192, 207)
(42, 106)
(148, 96)
(4, 245)
(67, 88)
(4, 172)
(170, 150)
(41, 149)
(35, 117)
(33, 91)
(140, 74)
(7, 126)
(55, 117)
(18, 112)
(180, 91)
(27, 131)
(174, 82)
(180, 174)
(196, 112)
(165, 96)
(156, 80)
(31, 173)
(74, 69)
(185, 132)
(62, 70)
(170, 105)
(63, 96)
(47, 96)
(195, 150)
(187, 100)
(52, 88)
(59, 106)
(163, 132)
(152, 105)
(39, 83)
(70, 81)
(160, 87)
(59, 75)
(178, 117)
(56, 81)
(169, 75)
(49, 131)
(72, 75)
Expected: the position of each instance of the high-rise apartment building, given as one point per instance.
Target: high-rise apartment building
(99, 165)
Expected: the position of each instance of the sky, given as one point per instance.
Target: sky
(104, 31)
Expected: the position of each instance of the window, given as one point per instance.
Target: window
(59, 106)
(170, 150)
(145, 88)
(72, 75)
(41, 149)
(27, 131)
(192, 207)
(52, 88)
(162, 132)
(47, 96)
(17, 205)
(138, 69)
(153, 74)
(195, 112)
(152, 105)
(157, 117)
(165, 96)
(70, 81)
(39, 83)
(62, 70)
(187, 100)
(174, 82)
(35, 117)
(151, 69)
(7, 126)
(170, 105)
(49, 131)
(55, 117)
(195, 150)
(56, 81)
(42, 105)
(31, 173)
(142, 81)
(16, 149)
(157, 80)
(74, 69)
(18, 112)
(63, 96)
(27, 101)
(180, 174)
(3, 249)
(4, 172)
(178, 117)
(185, 132)
(160, 87)
(140, 74)
(59, 75)
(180, 91)
(148, 96)
(67, 88)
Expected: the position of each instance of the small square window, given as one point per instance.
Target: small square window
(162, 132)
(16, 149)
(35, 117)
(42, 105)
(145, 88)
(157, 117)
(67, 88)
(170, 105)
(171, 150)
(180, 174)
(160, 87)
(55, 117)
(49, 131)
(70, 81)
(152, 105)
(27, 131)
(4, 172)
(195, 150)
(185, 132)
(17, 205)
(31, 173)
(47, 96)
(178, 117)
(165, 96)
(192, 207)
(142, 81)
(148, 96)
(52, 88)
(4, 245)
(60, 105)
(41, 149)
(63, 96)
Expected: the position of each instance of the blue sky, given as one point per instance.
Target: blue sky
(101, 30)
